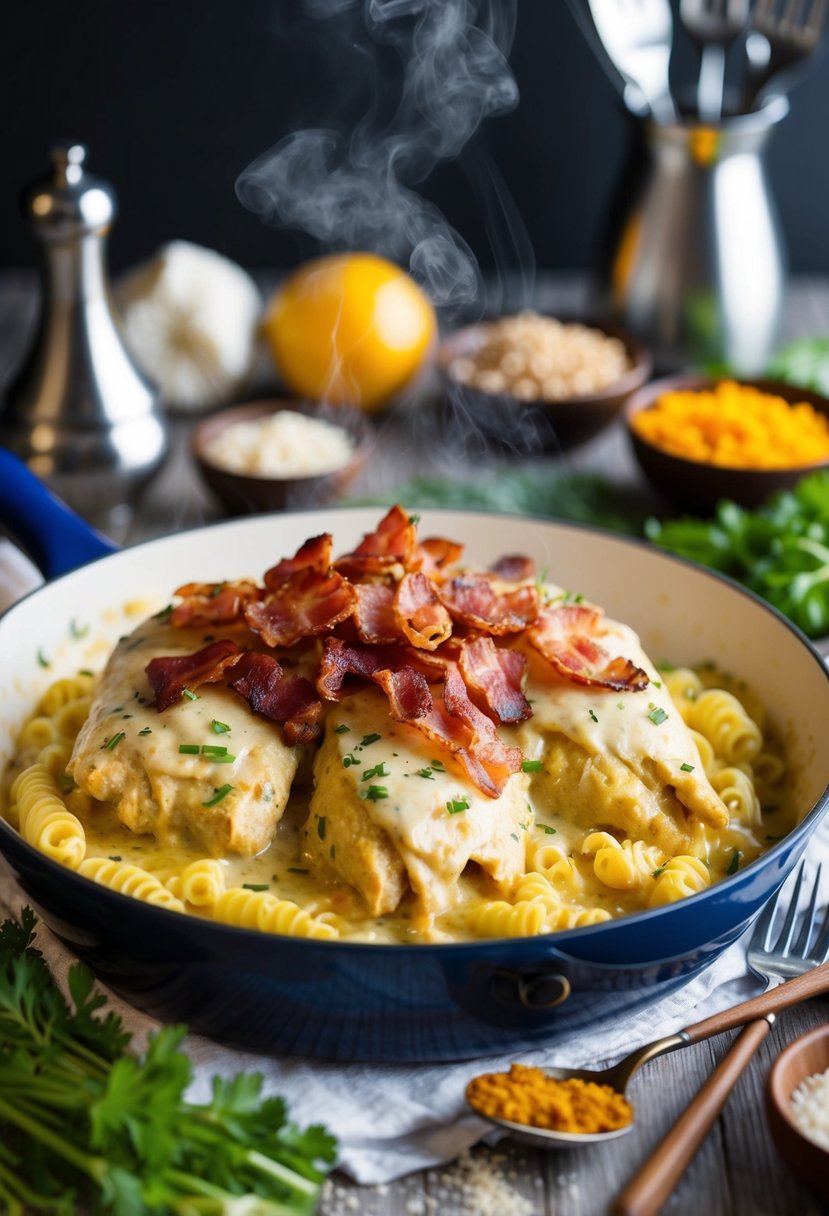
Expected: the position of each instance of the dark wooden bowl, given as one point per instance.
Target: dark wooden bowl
(808, 1162)
(696, 486)
(541, 426)
(243, 494)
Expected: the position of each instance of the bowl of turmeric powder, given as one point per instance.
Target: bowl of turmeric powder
(699, 439)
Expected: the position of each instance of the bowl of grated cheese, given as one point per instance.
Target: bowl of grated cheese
(797, 1104)
(275, 455)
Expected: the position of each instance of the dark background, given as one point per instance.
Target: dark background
(176, 97)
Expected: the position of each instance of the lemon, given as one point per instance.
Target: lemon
(352, 329)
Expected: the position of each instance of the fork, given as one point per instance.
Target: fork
(637, 36)
(792, 972)
(791, 37)
(715, 25)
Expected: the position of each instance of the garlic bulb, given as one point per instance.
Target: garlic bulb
(190, 318)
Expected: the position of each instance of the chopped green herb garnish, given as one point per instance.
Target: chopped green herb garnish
(67, 783)
(425, 773)
(455, 805)
(514, 836)
(332, 851)
(593, 717)
(349, 760)
(188, 749)
(342, 729)
(78, 631)
(772, 806)
(267, 792)
(321, 826)
(84, 671)
(620, 705)
(112, 743)
(375, 792)
(297, 870)
(190, 695)
(771, 839)
(115, 857)
(221, 793)
(367, 740)
(531, 766)
(734, 864)
(379, 770)
(215, 750)
(164, 613)
(146, 730)
(657, 715)
(219, 728)
(42, 660)
(656, 873)
(437, 765)
(686, 768)
(256, 886)
(545, 827)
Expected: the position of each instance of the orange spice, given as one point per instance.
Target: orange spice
(530, 1096)
(736, 426)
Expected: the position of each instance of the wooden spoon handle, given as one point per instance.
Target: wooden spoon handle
(801, 988)
(650, 1188)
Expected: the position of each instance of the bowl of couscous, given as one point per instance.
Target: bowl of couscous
(535, 383)
(699, 439)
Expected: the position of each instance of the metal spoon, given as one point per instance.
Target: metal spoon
(618, 1076)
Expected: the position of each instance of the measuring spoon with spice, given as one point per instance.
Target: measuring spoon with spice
(560, 1107)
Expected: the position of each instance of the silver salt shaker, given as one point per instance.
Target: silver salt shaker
(80, 413)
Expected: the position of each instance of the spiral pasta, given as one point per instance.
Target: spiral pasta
(622, 865)
(128, 879)
(261, 910)
(497, 918)
(681, 876)
(720, 717)
(44, 819)
(200, 883)
(737, 791)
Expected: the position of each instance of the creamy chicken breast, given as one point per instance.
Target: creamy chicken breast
(129, 754)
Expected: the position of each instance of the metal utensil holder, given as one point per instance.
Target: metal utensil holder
(695, 262)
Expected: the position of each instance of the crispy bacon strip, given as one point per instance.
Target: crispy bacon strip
(392, 544)
(302, 606)
(315, 554)
(458, 725)
(514, 567)
(169, 675)
(374, 613)
(565, 636)
(213, 603)
(473, 600)
(388, 666)
(288, 699)
(494, 674)
(419, 613)
(434, 554)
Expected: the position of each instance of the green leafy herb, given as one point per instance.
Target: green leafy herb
(455, 805)
(297, 870)
(657, 715)
(375, 793)
(656, 873)
(256, 886)
(545, 827)
(164, 613)
(115, 857)
(425, 773)
(593, 717)
(367, 740)
(379, 770)
(87, 1123)
(531, 766)
(77, 630)
(321, 824)
(804, 362)
(219, 755)
(342, 729)
(734, 864)
(188, 749)
(42, 659)
(779, 550)
(219, 728)
(686, 768)
(190, 695)
(84, 671)
(772, 839)
(110, 744)
(437, 765)
(333, 851)
(221, 793)
(349, 761)
(414, 520)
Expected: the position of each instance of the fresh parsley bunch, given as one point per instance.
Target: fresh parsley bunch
(85, 1121)
(780, 550)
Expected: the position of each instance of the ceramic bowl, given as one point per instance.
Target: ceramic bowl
(693, 485)
(808, 1162)
(246, 494)
(524, 427)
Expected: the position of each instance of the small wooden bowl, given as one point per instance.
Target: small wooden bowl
(808, 1162)
(696, 486)
(244, 494)
(524, 427)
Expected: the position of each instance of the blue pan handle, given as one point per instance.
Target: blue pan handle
(56, 539)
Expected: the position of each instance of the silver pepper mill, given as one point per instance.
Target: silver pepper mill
(80, 413)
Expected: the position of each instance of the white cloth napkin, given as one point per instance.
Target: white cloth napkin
(393, 1120)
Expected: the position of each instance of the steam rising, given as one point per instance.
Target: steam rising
(355, 190)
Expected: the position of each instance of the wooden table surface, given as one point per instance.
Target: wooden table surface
(737, 1172)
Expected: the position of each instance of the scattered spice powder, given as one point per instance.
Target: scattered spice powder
(736, 426)
(530, 1096)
